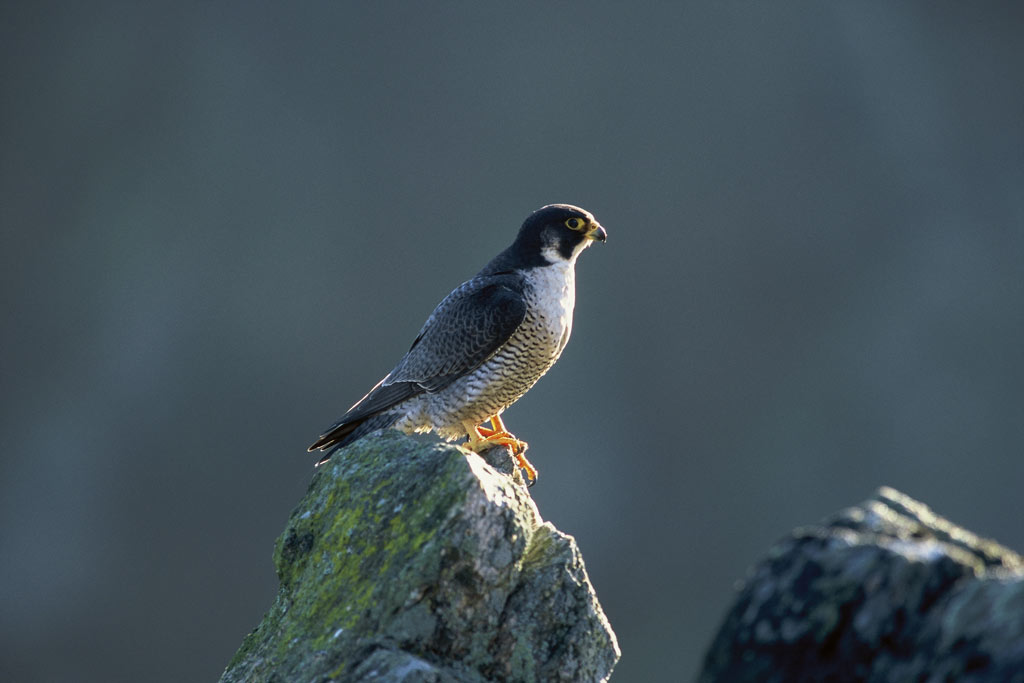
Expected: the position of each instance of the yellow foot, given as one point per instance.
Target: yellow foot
(496, 434)
(482, 438)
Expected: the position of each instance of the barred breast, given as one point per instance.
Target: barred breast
(501, 380)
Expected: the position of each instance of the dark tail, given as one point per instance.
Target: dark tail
(341, 435)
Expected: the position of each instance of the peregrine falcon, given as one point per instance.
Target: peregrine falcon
(484, 345)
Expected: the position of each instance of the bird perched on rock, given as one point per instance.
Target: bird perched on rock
(485, 344)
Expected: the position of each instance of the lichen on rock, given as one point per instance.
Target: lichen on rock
(883, 591)
(410, 559)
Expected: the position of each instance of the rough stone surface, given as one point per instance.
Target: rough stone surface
(885, 591)
(413, 560)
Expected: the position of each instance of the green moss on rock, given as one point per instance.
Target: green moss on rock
(411, 555)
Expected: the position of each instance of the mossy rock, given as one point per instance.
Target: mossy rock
(410, 559)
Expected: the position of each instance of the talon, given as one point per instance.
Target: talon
(530, 470)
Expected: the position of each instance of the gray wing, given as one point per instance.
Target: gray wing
(465, 329)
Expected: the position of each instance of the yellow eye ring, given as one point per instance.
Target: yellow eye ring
(575, 223)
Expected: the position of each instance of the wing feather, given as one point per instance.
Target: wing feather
(465, 329)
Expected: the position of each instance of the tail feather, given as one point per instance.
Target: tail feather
(341, 435)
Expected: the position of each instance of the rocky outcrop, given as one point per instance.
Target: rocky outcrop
(885, 591)
(413, 560)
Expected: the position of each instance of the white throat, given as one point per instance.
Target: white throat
(552, 255)
(554, 291)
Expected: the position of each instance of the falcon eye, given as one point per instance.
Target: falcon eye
(575, 223)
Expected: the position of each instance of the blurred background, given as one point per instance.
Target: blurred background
(224, 222)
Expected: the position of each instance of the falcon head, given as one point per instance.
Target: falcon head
(559, 232)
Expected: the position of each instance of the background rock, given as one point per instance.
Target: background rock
(413, 560)
(885, 591)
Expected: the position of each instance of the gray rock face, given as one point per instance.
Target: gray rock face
(413, 560)
(885, 591)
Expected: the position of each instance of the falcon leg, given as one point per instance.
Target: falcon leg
(499, 434)
(482, 438)
(497, 428)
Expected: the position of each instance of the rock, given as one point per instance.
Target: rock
(410, 559)
(885, 591)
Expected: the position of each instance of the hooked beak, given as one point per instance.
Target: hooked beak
(596, 232)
